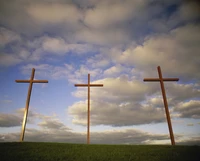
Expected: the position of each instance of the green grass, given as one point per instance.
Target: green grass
(31, 151)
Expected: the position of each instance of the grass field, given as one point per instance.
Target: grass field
(31, 151)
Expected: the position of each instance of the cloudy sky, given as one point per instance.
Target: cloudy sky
(119, 43)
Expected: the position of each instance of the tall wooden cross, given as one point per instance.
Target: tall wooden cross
(88, 116)
(161, 79)
(31, 81)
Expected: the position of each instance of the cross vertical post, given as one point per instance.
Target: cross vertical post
(88, 113)
(31, 81)
(88, 119)
(161, 80)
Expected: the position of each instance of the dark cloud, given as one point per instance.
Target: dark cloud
(129, 136)
(104, 113)
(15, 119)
(125, 102)
(192, 141)
(126, 136)
(182, 92)
(190, 109)
(177, 47)
(52, 124)
(9, 120)
(104, 23)
(79, 20)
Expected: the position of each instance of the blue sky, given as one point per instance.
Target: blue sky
(119, 43)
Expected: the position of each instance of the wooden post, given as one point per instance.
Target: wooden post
(31, 81)
(161, 79)
(88, 114)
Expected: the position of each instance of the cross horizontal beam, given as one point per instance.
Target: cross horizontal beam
(33, 81)
(157, 79)
(86, 85)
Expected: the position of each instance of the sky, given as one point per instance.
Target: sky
(119, 43)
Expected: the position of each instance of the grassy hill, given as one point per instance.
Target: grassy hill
(32, 151)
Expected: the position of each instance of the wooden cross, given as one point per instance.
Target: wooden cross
(31, 81)
(161, 79)
(88, 119)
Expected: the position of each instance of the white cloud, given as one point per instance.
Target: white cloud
(51, 129)
(110, 13)
(115, 70)
(18, 56)
(54, 13)
(97, 22)
(9, 59)
(126, 136)
(7, 36)
(60, 47)
(117, 103)
(65, 71)
(83, 71)
(39, 67)
(24, 54)
(37, 49)
(52, 124)
(189, 109)
(55, 72)
(182, 92)
(98, 61)
(106, 37)
(16, 117)
(113, 114)
(121, 97)
(45, 121)
(173, 52)
(118, 89)
(9, 120)
(55, 45)
(157, 101)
